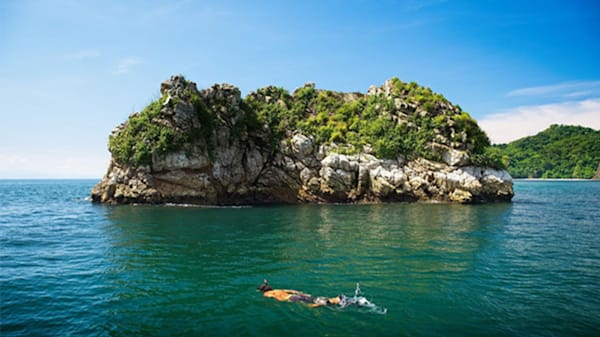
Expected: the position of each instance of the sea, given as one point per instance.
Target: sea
(526, 268)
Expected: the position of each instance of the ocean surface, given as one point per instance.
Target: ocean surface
(526, 268)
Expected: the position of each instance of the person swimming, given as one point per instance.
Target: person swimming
(290, 295)
(340, 302)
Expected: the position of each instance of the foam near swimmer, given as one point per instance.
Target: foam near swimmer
(360, 302)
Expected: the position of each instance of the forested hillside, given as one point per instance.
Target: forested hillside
(561, 151)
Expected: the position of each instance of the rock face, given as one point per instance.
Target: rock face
(233, 164)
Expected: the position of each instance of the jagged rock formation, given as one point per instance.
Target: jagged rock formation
(212, 147)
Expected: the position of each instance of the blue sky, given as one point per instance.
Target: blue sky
(71, 70)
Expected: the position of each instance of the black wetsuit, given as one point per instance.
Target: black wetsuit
(301, 298)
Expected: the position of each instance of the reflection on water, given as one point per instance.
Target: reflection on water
(413, 238)
(212, 259)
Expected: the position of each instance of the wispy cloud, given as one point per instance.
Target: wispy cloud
(125, 64)
(577, 94)
(525, 121)
(82, 55)
(564, 89)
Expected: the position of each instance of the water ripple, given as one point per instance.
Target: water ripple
(72, 268)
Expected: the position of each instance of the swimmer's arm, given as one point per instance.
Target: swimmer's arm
(315, 305)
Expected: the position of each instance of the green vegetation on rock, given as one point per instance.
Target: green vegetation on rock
(141, 136)
(561, 151)
(404, 121)
(148, 132)
(396, 119)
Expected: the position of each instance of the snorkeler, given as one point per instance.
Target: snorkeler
(288, 295)
(341, 301)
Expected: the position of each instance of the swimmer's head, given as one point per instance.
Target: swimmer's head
(265, 286)
(343, 300)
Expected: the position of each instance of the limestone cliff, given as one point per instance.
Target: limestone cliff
(398, 142)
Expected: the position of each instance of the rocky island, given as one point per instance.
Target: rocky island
(397, 142)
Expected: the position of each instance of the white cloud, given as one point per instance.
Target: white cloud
(576, 94)
(564, 89)
(125, 64)
(525, 121)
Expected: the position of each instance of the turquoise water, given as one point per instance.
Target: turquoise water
(70, 268)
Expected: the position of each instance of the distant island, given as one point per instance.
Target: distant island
(561, 151)
(397, 142)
